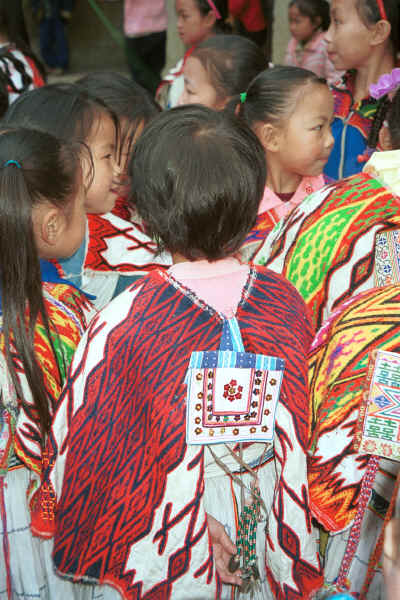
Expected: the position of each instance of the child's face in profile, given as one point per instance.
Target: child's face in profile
(301, 26)
(101, 196)
(193, 27)
(197, 86)
(348, 37)
(305, 139)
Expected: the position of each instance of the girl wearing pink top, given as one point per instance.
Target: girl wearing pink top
(308, 21)
(290, 110)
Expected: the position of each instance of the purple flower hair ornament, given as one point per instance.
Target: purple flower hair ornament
(389, 82)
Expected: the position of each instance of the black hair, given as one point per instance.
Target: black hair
(12, 26)
(393, 119)
(124, 97)
(272, 95)
(221, 25)
(314, 9)
(370, 13)
(61, 109)
(197, 178)
(44, 168)
(231, 62)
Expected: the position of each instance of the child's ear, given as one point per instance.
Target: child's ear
(210, 19)
(380, 32)
(49, 224)
(53, 224)
(384, 138)
(269, 137)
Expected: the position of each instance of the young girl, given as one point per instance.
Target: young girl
(220, 68)
(20, 70)
(42, 216)
(134, 108)
(197, 21)
(308, 21)
(146, 521)
(327, 246)
(114, 250)
(363, 40)
(290, 109)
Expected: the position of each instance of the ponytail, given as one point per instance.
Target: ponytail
(33, 166)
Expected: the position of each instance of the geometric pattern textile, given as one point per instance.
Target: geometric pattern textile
(326, 246)
(338, 367)
(131, 511)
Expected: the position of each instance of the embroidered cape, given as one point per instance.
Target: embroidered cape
(115, 247)
(131, 511)
(325, 247)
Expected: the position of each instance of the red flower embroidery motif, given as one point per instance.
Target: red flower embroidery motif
(230, 391)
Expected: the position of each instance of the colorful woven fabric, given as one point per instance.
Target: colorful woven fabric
(115, 253)
(387, 258)
(350, 128)
(272, 209)
(338, 366)
(141, 522)
(69, 312)
(326, 246)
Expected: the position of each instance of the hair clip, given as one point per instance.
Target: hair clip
(388, 82)
(214, 9)
(12, 162)
(243, 97)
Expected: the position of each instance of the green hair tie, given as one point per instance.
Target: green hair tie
(243, 97)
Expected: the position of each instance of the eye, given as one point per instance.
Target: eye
(317, 128)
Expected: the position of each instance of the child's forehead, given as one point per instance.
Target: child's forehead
(186, 5)
(309, 98)
(343, 7)
(103, 130)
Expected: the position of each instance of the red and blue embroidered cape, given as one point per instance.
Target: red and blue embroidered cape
(131, 510)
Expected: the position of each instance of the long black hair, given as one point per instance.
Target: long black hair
(33, 166)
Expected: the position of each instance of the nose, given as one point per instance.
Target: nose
(328, 35)
(330, 140)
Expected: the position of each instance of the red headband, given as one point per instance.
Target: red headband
(382, 10)
(214, 9)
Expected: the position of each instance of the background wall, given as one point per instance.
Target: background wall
(92, 47)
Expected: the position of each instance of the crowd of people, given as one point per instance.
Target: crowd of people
(194, 287)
